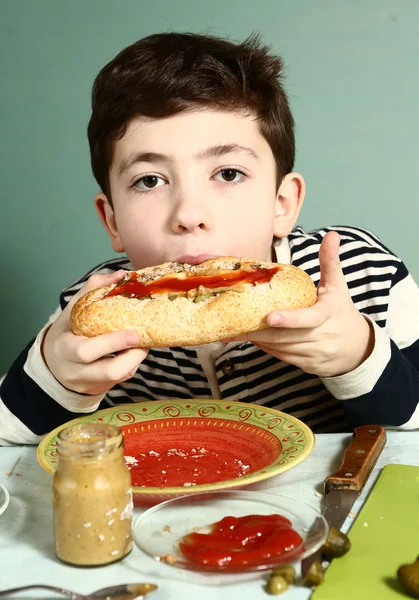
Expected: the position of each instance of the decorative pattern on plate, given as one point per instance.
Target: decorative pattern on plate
(269, 440)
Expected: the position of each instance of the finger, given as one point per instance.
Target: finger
(301, 348)
(304, 319)
(109, 371)
(119, 368)
(278, 352)
(285, 355)
(80, 349)
(331, 274)
(301, 318)
(134, 357)
(274, 336)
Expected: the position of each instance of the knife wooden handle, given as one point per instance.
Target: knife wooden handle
(358, 459)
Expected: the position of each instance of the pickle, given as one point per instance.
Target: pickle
(276, 585)
(315, 574)
(337, 543)
(408, 575)
(203, 297)
(286, 571)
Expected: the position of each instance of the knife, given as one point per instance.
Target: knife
(343, 487)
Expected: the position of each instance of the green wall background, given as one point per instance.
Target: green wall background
(353, 80)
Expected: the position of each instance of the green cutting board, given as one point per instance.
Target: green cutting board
(384, 535)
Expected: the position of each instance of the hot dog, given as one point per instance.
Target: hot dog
(178, 304)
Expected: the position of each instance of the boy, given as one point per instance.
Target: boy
(192, 145)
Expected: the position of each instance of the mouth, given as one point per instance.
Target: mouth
(194, 259)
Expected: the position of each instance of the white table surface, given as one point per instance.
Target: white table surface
(26, 537)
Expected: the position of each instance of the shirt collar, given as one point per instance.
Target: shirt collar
(281, 247)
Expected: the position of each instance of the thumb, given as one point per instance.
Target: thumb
(331, 274)
(62, 322)
(94, 282)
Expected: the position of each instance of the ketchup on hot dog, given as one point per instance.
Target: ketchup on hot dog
(133, 288)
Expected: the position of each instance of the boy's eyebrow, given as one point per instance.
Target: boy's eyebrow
(216, 151)
(211, 152)
(140, 157)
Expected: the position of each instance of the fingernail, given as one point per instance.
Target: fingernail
(132, 339)
(275, 320)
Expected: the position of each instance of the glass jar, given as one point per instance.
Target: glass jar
(92, 496)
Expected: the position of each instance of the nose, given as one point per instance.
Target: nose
(190, 213)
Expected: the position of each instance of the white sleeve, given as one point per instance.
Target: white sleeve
(402, 326)
(12, 430)
(38, 371)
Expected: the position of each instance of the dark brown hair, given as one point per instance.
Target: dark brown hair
(168, 73)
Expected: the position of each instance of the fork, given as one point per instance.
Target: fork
(126, 591)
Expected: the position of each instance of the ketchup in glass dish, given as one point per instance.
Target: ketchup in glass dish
(230, 531)
(240, 542)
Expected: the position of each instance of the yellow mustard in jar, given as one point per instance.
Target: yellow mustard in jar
(92, 496)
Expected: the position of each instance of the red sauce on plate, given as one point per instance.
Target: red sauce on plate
(133, 288)
(185, 468)
(236, 542)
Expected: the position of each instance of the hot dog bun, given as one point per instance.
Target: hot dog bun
(204, 314)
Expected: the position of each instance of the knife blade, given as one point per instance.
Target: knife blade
(343, 487)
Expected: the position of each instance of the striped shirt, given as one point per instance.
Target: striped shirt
(383, 390)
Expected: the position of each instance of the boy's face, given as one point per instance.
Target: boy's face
(196, 185)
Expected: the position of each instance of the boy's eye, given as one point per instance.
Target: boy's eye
(229, 175)
(148, 182)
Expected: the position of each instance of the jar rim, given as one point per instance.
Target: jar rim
(89, 439)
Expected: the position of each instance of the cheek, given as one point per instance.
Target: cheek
(141, 233)
(140, 249)
(256, 211)
(134, 219)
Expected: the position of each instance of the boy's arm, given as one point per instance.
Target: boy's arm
(32, 401)
(61, 376)
(385, 388)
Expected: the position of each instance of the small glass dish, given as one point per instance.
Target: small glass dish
(158, 530)
(4, 499)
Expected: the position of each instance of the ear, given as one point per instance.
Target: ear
(107, 216)
(289, 200)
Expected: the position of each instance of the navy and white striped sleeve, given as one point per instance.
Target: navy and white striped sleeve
(32, 401)
(385, 388)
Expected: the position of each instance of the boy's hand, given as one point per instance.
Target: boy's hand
(83, 364)
(331, 337)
